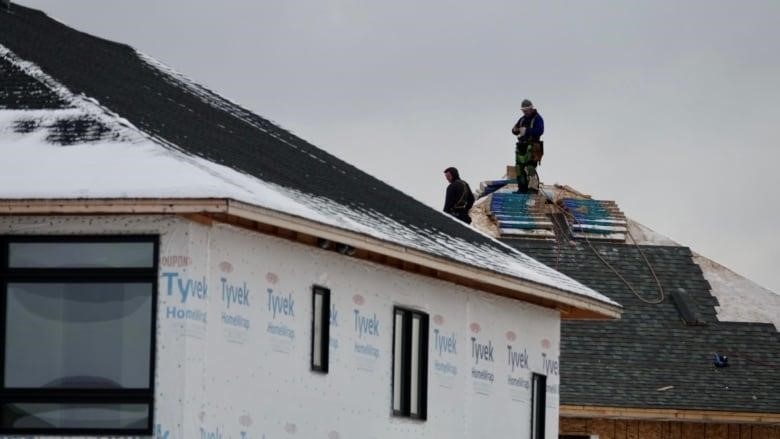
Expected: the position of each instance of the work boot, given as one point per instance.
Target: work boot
(533, 180)
(522, 186)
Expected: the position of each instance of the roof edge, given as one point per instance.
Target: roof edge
(656, 414)
(570, 305)
(93, 206)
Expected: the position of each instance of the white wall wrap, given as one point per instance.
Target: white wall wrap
(233, 344)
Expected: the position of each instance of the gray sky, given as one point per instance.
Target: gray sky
(670, 108)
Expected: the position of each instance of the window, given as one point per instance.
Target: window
(77, 319)
(410, 363)
(320, 329)
(538, 404)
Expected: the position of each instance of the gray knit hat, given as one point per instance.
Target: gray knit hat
(526, 104)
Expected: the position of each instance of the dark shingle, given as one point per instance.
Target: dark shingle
(18, 91)
(622, 363)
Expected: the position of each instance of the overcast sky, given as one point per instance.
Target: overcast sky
(670, 108)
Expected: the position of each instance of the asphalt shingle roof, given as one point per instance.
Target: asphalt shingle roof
(120, 80)
(21, 92)
(623, 363)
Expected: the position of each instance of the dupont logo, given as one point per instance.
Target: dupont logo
(546, 344)
(475, 328)
(272, 278)
(511, 336)
(175, 261)
(438, 319)
(290, 428)
(358, 300)
(225, 267)
(245, 420)
(334, 435)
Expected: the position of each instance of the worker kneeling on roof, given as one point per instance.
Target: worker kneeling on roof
(529, 149)
(459, 196)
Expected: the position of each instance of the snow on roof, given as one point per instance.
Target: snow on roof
(643, 235)
(125, 162)
(741, 300)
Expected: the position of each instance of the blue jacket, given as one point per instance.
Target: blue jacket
(534, 127)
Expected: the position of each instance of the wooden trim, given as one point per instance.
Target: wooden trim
(652, 414)
(112, 206)
(198, 218)
(258, 219)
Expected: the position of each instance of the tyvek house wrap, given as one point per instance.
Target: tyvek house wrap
(232, 363)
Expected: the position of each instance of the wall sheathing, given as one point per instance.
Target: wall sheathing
(233, 340)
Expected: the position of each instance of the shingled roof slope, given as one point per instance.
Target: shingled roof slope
(143, 116)
(624, 363)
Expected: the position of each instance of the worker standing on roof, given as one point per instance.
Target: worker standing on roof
(459, 196)
(529, 149)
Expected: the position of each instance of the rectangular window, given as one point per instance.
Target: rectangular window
(538, 405)
(77, 319)
(410, 363)
(320, 329)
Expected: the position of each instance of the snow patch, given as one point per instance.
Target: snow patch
(741, 300)
(644, 235)
(481, 220)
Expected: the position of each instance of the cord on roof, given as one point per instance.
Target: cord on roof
(661, 293)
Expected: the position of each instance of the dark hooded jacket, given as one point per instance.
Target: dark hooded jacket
(459, 198)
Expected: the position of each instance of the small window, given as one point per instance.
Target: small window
(538, 405)
(320, 329)
(77, 319)
(410, 363)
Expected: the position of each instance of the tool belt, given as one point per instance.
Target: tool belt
(536, 150)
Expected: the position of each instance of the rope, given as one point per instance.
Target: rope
(559, 242)
(661, 294)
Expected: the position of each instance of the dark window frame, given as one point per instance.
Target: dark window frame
(538, 405)
(406, 364)
(324, 341)
(78, 396)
